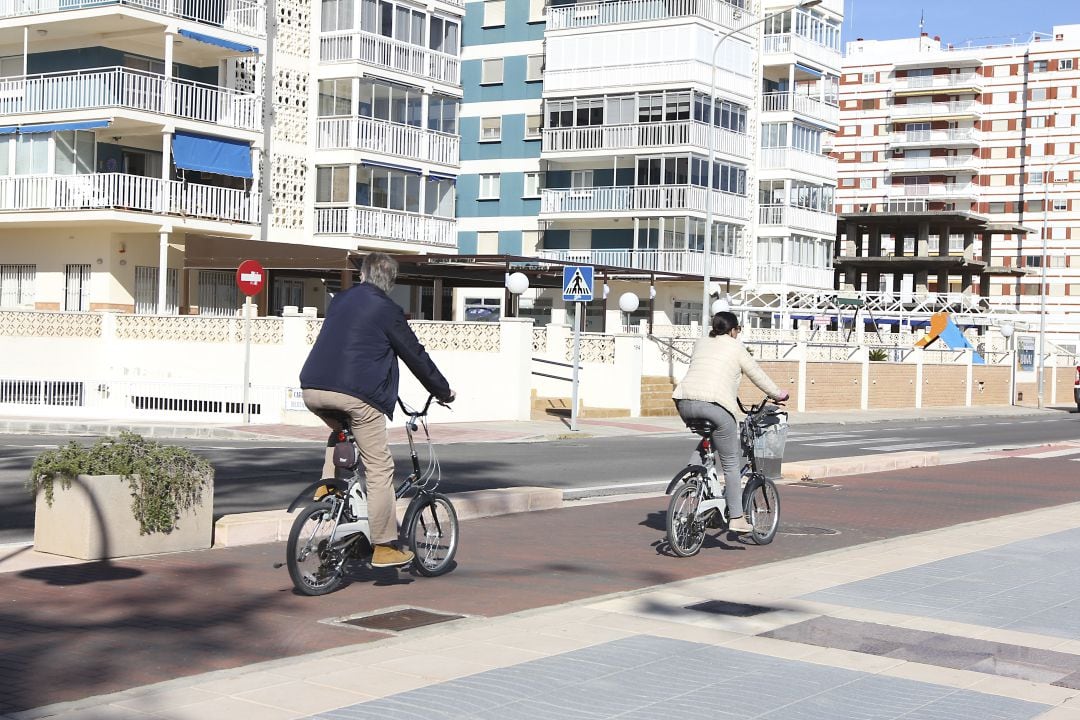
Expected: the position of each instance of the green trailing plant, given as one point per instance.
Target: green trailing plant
(877, 355)
(165, 480)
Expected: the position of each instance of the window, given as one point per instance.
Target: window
(394, 103)
(581, 178)
(490, 129)
(999, 125)
(494, 13)
(866, 156)
(533, 126)
(532, 185)
(1065, 64)
(335, 97)
(439, 197)
(1035, 205)
(1057, 261)
(77, 287)
(1039, 66)
(489, 186)
(17, 285)
(74, 152)
(1038, 94)
(1061, 205)
(1036, 178)
(536, 11)
(1037, 121)
(997, 207)
(442, 114)
(534, 68)
(1032, 261)
(337, 15)
(386, 188)
(32, 154)
(999, 153)
(866, 183)
(997, 181)
(869, 77)
(443, 36)
(491, 71)
(487, 243)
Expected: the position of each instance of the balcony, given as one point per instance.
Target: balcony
(590, 15)
(117, 87)
(240, 16)
(799, 161)
(929, 84)
(804, 105)
(957, 163)
(818, 54)
(641, 199)
(681, 72)
(117, 191)
(686, 262)
(392, 225)
(957, 137)
(939, 191)
(644, 135)
(405, 141)
(935, 111)
(798, 218)
(795, 276)
(384, 52)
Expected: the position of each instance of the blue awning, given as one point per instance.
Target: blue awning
(9, 130)
(212, 155)
(403, 168)
(798, 66)
(57, 127)
(211, 40)
(439, 176)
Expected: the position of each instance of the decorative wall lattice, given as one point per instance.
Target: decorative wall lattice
(291, 105)
(539, 340)
(294, 28)
(49, 324)
(593, 350)
(264, 331)
(467, 337)
(289, 184)
(312, 330)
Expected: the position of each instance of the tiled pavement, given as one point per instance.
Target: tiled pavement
(813, 638)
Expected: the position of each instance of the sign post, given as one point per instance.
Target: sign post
(578, 289)
(250, 277)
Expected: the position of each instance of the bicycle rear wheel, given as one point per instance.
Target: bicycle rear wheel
(685, 529)
(762, 507)
(313, 566)
(433, 535)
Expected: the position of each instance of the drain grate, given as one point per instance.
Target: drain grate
(399, 620)
(806, 530)
(723, 607)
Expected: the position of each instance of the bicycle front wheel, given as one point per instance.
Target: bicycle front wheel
(433, 535)
(313, 566)
(685, 529)
(762, 506)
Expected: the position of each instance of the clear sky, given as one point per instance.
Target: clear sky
(956, 21)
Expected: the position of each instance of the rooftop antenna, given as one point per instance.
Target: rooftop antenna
(922, 21)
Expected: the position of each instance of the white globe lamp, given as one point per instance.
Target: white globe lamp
(720, 305)
(517, 283)
(628, 302)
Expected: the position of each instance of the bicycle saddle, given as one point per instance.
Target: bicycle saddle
(701, 427)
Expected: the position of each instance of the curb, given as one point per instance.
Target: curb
(77, 427)
(858, 465)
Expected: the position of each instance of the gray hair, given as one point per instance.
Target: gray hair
(380, 270)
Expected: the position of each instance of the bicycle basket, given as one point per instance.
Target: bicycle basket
(769, 448)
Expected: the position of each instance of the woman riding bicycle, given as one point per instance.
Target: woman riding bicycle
(710, 391)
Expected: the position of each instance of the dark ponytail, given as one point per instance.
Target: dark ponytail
(723, 323)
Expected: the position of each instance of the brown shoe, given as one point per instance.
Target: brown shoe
(739, 525)
(387, 556)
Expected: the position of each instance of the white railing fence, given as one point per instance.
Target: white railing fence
(642, 198)
(407, 141)
(242, 16)
(584, 15)
(372, 49)
(661, 134)
(386, 225)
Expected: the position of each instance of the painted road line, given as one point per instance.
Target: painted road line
(858, 441)
(1053, 454)
(913, 446)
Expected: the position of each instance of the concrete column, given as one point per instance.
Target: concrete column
(873, 282)
(919, 359)
(969, 357)
(851, 243)
(965, 282)
(166, 156)
(864, 378)
(167, 89)
(943, 251)
(437, 299)
(800, 399)
(922, 240)
(515, 342)
(163, 269)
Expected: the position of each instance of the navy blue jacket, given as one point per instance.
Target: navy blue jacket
(362, 337)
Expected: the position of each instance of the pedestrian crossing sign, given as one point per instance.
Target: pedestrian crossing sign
(577, 283)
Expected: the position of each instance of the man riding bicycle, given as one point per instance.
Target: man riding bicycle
(352, 370)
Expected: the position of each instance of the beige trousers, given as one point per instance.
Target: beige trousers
(369, 428)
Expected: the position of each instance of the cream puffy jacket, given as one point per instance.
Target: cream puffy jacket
(716, 368)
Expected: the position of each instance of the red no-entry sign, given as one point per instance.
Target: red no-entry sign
(250, 277)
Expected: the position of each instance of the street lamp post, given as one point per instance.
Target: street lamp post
(707, 255)
(1041, 367)
(1007, 331)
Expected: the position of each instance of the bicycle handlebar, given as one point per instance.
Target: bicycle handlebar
(756, 407)
(421, 413)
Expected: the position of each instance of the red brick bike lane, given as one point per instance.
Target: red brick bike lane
(72, 632)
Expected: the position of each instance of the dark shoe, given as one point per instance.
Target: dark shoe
(387, 556)
(739, 525)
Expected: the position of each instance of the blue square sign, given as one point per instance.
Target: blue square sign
(577, 283)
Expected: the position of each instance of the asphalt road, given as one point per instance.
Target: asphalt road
(266, 475)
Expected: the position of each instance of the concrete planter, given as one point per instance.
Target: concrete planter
(92, 520)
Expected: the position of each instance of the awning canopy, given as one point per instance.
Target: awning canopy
(403, 168)
(440, 176)
(212, 155)
(58, 127)
(807, 69)
(228, 44)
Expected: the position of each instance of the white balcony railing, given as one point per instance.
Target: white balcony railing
(798, 160)
(942, 82)
(937, 137)
(644, 135)
(662, 198)
(241, 16)
(392, 225)
(795, 276)
(927, 164)
(118, 87)
(403, 57)
(404, 141)
(687, 262)
(801, 46)
(801, 105)
(797, 217)
(117, 191)
(935, 190)
(938, 109)
(651, 73)
(585, 15)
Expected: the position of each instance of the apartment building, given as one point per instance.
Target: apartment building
(133, 136)
(628, 124)
(986, 134)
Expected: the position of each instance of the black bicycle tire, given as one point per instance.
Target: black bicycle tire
(446, 563)
(295, 573)
(756, 483)
(671, 529)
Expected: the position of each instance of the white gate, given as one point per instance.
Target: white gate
(17, 285)
(77, 287)
(146, 290)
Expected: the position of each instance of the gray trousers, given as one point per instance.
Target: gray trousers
(725, 442)
(369, 429)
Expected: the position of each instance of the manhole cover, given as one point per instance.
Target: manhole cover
(398, 620)
(806, 530)
(723, 607)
